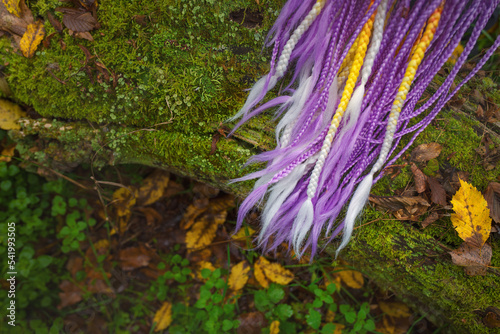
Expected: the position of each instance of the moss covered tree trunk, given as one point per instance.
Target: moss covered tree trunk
(154, 88)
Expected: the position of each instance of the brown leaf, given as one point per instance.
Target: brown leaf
(205, 190)
(55, 22)
(134, 257)
(84, 35)
(438, 194)
(70, 295)
(419, 178)
(152, 216)
(78, 20)
(141, 19)
(492, 196)
(251, 323)
(492, 317)
(222, 203)
(403, 208)
(8, 152)
(32, 38)
(474, 259)
(13, 7)
(430, 219)
(426, 152)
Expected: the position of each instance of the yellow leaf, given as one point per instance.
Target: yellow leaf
(472, 216)
(102, 244)
(275, 327)
(338, 328)
(13, 7)
(153, 187)
(395, 309)
(123, 201)
(203, 231)
(194, 211)
(163, 317)
(121, 224)
(353, 279)
(31, 39)
(9, 115)
(275, 272)
(243, 233)
(8, 153)
(259, 273)
(239, 276)
(204, 265)
(330, 316)
(222, 203)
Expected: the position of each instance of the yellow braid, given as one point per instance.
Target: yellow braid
(416, 59)
(363, 40)
(347, 63)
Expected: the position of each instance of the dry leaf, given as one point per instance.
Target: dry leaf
(244, 233)
(153, 187)
(471, 218)
(390, 325)
(123, 200)
(152, 216)
(351, 278)
(492, 197)
(13, 7)
(426, 152)
(403, 207)
(275, 272)
(222, 203)
(474, 259)
(259, 273)
(70, 295)
(203, 231)
(84, 35)
(55, 22)
(9, 115)
(8, 153)
(163, 317)
(203, 265)
(420, 178)
(32, 38)
(193, 211)
(251, 323)
(491, 317)
(395, 309)
(78, 20)
(275, 327)
(438, 194)
(134, 257)
(239, 276)
(430, 219)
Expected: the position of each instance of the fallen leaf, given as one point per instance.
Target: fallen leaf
(205, 190)
(78, 20)
(471, 218)
(430, 219)
(163, 317)
(32, 38)
(203, 265)
(395, 309)
(492, 197)
(438, 194)
(123, 200)
(152, 216)
(84, 35)
(70, 295)
(193, 211)
(275, 272)
(13, 7)
(420, 178)
(134, 257)
(222, 203)
(426, 152)
(403, 207)
(492, 317)
(275, 327)
(351, 278)
(203, 231)
(244, 233)
(55, 22)
(9, 115)
(474, 259)
(390, 325)
(251, 323)
(153, 187)
(239, 276)
(8, 153)
(258, 272)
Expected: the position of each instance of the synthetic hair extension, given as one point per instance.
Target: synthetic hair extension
(358, 69)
